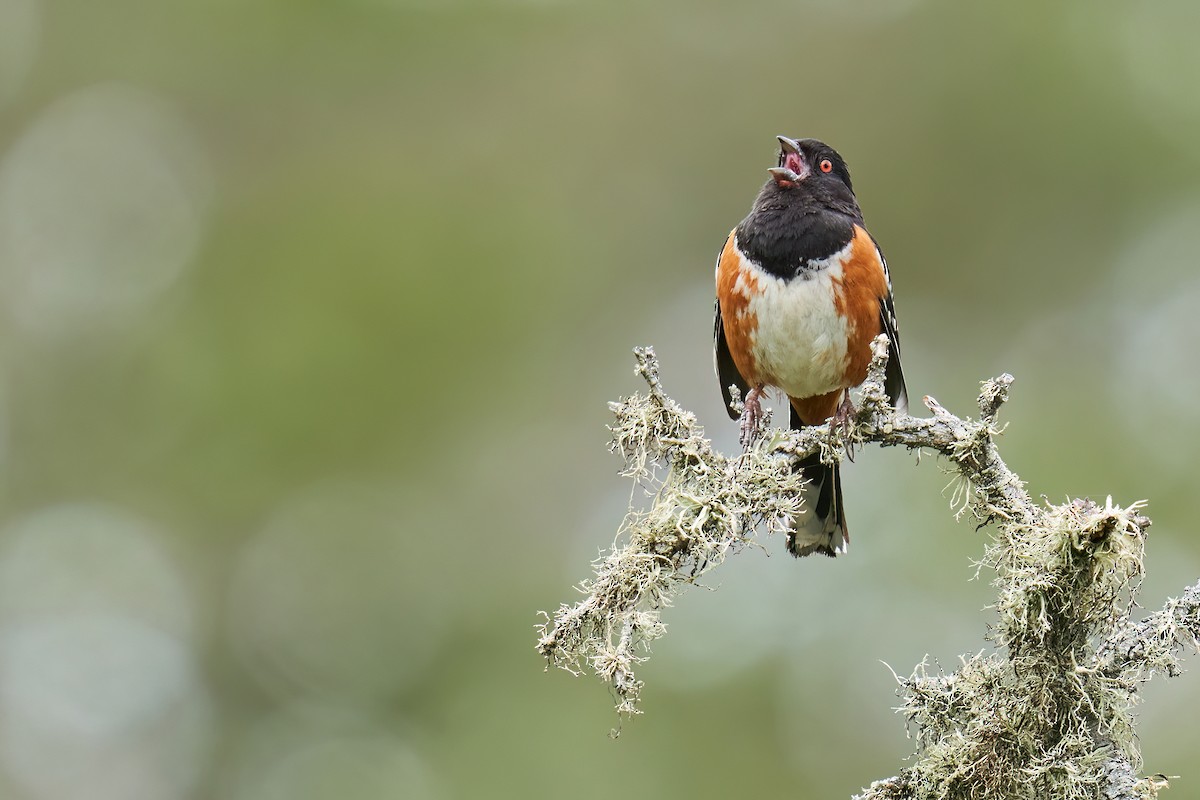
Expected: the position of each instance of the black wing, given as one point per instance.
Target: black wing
(727, 372)
(893, 377)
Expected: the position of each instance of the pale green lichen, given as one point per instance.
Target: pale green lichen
(704, 507)
(1036, 719)
(1046, 715)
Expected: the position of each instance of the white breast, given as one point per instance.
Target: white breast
(800, 342)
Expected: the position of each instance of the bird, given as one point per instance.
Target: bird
(802, 290)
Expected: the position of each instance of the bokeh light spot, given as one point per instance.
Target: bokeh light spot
(101, 208)
(83, 557)
(99, 691)
(94, 675)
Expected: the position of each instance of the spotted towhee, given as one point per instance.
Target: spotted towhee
(802, 289)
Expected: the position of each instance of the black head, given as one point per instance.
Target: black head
(815, 170)
(806, 212)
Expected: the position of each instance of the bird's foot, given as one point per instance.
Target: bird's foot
(750, 425)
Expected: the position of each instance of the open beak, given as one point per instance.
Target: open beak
(792, 168)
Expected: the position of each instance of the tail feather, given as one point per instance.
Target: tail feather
(822, 527)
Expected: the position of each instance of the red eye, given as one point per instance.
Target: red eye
(826, 165)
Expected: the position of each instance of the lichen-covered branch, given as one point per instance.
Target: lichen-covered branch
(707, 506)
(1048, 715)
(1153, 644)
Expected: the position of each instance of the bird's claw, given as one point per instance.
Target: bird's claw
(844, 417)
(750, 425)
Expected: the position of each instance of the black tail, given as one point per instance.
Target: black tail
(822, 528)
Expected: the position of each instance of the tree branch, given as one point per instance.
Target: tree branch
(1048, 715)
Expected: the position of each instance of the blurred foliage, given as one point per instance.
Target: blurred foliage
(358, 435)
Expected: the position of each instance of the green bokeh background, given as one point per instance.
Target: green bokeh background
(357, 441)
